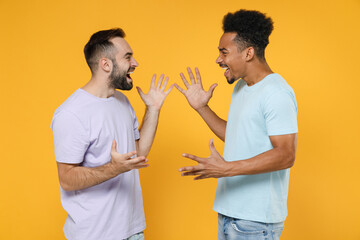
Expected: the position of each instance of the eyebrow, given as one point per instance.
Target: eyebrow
(128, 54)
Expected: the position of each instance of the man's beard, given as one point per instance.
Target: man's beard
(118, 80)
(231, 80)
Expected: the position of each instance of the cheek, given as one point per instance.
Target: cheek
(124, 66)
(236, 66)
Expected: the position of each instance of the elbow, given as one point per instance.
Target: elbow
(290, 160)
(66, 187)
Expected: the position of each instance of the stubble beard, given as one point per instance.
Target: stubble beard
(231, 80)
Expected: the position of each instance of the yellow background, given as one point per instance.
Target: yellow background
(315, 47)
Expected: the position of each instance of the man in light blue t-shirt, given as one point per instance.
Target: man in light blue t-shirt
(260, 134)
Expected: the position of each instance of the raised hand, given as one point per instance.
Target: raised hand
(155, 98)
(195, 93)
(123, 162)
(212, 167)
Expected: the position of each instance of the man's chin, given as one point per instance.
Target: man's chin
(126, 87)
(231, 80)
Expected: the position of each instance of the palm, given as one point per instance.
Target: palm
(195, 93)
(157, 94)
(196, 96)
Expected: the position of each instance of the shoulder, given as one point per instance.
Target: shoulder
(121, 97)
(276, 82)
(74, 105)
(276, 86)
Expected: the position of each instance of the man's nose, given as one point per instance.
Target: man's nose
(134, 63)
(218, 60)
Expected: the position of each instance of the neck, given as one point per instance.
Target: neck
(99, 87)
(257, 71)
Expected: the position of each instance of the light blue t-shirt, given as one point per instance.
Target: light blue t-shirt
(264, 109)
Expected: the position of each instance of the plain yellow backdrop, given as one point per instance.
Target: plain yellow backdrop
(314, 46)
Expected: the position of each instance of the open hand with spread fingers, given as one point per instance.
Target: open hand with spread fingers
(155, 98)
(125, 162)
(195, 93)
(212, 167)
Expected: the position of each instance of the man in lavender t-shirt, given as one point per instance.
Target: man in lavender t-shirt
(99, 147)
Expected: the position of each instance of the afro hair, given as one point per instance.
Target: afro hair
(253, 29)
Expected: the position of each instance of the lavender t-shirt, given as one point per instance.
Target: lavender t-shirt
(84, 127)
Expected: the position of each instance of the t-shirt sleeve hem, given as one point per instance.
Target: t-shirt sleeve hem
(284, 132)
(67, 161)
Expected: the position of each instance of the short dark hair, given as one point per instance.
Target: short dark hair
(100, 45)
(253, 29)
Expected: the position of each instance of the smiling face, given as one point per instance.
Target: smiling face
(231, 58)
(123, 65)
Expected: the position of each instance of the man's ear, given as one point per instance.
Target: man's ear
(250, 53)
(105, 64)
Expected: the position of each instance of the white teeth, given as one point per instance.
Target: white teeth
(130, 72)
(225, 68)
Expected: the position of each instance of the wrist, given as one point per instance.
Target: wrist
(229, 169)
(112, 168)
(202, 109)
(152, 109)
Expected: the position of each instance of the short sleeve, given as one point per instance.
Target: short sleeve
(135, 123)
(280, 112)
(70, 138)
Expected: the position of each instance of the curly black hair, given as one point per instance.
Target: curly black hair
(253, 29)
(99, 44)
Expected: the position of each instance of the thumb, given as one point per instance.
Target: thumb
(141, 93)
(212, 147)
(113, 146)
(212, 88)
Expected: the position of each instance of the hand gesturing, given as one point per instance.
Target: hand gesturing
(195, 93)
(155, 98)
(213, 166)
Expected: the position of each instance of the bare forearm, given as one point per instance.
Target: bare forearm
(215, 123)
(272, 160)
(78, 177)
(147, 131)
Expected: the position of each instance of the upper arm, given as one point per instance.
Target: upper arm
(137, 145)
(286, 144)
(281, 123)
(280, 113)
(71, 140)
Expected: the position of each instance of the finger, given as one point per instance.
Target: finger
(169, 90)
(165, 83)
(138, 160)
(201, 177)
(129, 155)
(192, 157)
(190, 169)
(212, 88)
(179, 88)
(193, 173)
(113, 146)
(152, 85)
(213, 149)
(141, 166)
(141, 93)
(191, 75)
(212, 146)
(198, 77)
(187, 85)
(160, 81)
